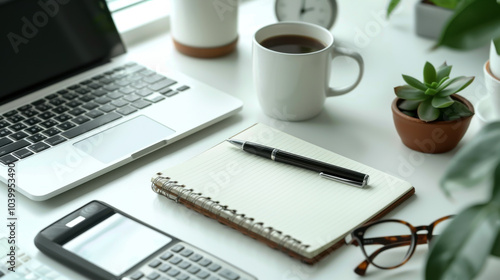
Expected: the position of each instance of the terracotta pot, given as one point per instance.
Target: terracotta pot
(430, 137)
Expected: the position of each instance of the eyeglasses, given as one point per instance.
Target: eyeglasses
(388, 244)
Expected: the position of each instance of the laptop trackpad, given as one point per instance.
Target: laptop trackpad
(125, 139)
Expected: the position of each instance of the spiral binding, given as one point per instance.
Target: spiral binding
(174, 191)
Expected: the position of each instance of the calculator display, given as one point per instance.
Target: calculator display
(117, 243)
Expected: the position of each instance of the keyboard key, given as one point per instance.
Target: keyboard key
(175, 260)
(195, 257)
(139, 84)
(193, 269)
(164, 267)
(86, 82)
(22, 153)
(154, 78)
(126, 110)
(10, 114)
(147, 72)
(51, 131)
(29, 113)
(99, 93)
(177, 248)
(46, 115)
(73, 104)
(51, 96)
(36, 138)
(107, 108)
(155, 97)
(70, 96)
(95, 85)
(214, 267)
(102, 120)
(57, 101)
(76, 111)
(63, 91)
(186, 253)
(43, 107)
(8, 159)
(131, 97)
(62, 118)
(34, 129)
(38, 147)
(48, 123)
(165, 91)
(123, 82)
(119, 103)
(111, 87)
(228, 274)
(38, 102)
(16, 118)
(203, 274)
(173, 272)
(90, 106)
(4, 132)
(94, 114)
(66, 126)
(4, 124)
(24, 108)
(153, 276)
(140, 104)
(166, 256)
(136, 276)
(4, 141)
(7, 149)
(115, 94)
(80, 120)
(182, 277)
(182, 88)
(86, 98)
(102, 100)
(82, 91)
(73, 87)
(154, 263)
(144, 92)
(184, 265)
(55, 140)
(171, 93)
(17, 127)
(162, 84)
(32, 121)
(18, 135)
(205, 262)
(97, 77)
(127, 90)
(59, 110)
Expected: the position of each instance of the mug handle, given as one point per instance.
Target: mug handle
(338, 51)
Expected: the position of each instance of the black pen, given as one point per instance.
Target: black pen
(328, 171)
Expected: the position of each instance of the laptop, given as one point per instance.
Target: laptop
(73, 107)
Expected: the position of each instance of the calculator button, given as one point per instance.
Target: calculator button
(205, 262)
(182, 277)
(228, 274)
(177, 248)
(196, 257)
(193, 269)
(166, 256)
(164, 267)
(184, 265)
(214, 267)
(153, 276)
(213, 278)
(173, 272)
(203, 274)
(175, 260)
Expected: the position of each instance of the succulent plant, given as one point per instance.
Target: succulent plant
(431, 100)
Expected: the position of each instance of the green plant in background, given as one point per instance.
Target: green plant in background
(474, 234)
(474, 23)
(431, 100)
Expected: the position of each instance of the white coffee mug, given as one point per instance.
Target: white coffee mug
(293, 87)
(493, 87)
(204, 28)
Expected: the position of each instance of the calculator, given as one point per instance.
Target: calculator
(102, 242)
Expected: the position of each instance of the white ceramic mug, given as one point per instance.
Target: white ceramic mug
(493, 87)
(293, 87)
(494, 61)
(204, 28)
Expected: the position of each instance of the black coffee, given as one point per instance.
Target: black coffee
(292, 44)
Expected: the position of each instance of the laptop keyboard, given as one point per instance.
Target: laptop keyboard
(80, 108)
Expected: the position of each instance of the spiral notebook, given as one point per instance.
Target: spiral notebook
(288, 208)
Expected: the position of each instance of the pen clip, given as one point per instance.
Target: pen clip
(345, 181)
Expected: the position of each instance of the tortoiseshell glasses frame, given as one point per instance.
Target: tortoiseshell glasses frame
(357, 238)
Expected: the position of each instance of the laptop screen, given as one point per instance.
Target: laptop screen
(45, 41)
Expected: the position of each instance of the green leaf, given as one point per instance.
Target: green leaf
(461, 250)
(495, 251)
(496, 42)
(409, 105)
(474, 24)
(442, 72)
(456, 111)
(454, 85)
(409, 93)
(429, 73)
(426, 112)
(414, 82)
(448, 4)
(392, 5)
(410, 113)
(442, 102)
(475, 161)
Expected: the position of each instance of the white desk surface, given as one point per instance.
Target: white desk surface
(358, 125)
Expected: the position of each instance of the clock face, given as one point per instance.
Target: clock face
(320, 12)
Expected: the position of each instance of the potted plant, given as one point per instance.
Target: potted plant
(430, 15)
(429, 116)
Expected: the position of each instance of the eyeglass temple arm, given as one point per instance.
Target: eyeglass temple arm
(389, 242)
